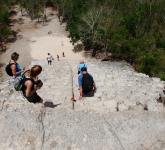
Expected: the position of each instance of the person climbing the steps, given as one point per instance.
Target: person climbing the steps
(58, 58)
(49, 59)
(82, 64)
(50, 31)
(63, 54)
(87, 86)
(62, 43)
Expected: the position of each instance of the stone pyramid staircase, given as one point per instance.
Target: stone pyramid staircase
(127, 111)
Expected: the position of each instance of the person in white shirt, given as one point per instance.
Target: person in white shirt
(49, 59)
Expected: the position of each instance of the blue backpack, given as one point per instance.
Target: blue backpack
(81, 65)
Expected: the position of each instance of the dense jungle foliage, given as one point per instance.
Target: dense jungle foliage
(132, 30)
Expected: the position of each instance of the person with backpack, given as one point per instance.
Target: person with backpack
(87, 86)
(82, 64)
(31, 84)
(13, 68)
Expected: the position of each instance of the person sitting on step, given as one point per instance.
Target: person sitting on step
(15, 67)
(31, 85)
(87, 86)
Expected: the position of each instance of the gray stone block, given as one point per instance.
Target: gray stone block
(155, 106)
(122, 107)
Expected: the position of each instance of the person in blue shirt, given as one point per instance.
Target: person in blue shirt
(15, 67)
(87, 86)
(82, 64)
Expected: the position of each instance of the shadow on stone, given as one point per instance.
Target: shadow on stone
(78, 48)
(50, 104)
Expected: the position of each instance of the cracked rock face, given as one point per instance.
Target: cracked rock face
(127, 111)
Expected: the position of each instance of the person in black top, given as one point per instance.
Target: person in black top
(29, 85)
(87, 86)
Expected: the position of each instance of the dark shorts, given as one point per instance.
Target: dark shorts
(33, 98)
(90, 94)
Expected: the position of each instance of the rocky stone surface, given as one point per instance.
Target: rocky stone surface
(126, 112)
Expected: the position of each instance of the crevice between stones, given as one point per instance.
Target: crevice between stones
(42, 127)
(2, 104)
(113, 132)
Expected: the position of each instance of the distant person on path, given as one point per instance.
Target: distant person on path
(50, 31)
(45, 17)
(63, 54)
(49, 59)
(61, 20)
(62, 43)
(15, 67)
(58, 58)
(31, 85)
(87, 86)
(82, 64)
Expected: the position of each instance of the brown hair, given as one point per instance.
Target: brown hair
(35, 71)
(82, 62)
(14, 55)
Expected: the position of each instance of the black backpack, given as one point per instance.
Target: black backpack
(87, 83)
(8, 69)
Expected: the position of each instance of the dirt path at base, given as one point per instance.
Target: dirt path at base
(34, 42)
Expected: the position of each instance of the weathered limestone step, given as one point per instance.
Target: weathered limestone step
(119, 87)
(118, 81)
(33, 127)
(57, 86)
(116, 118)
